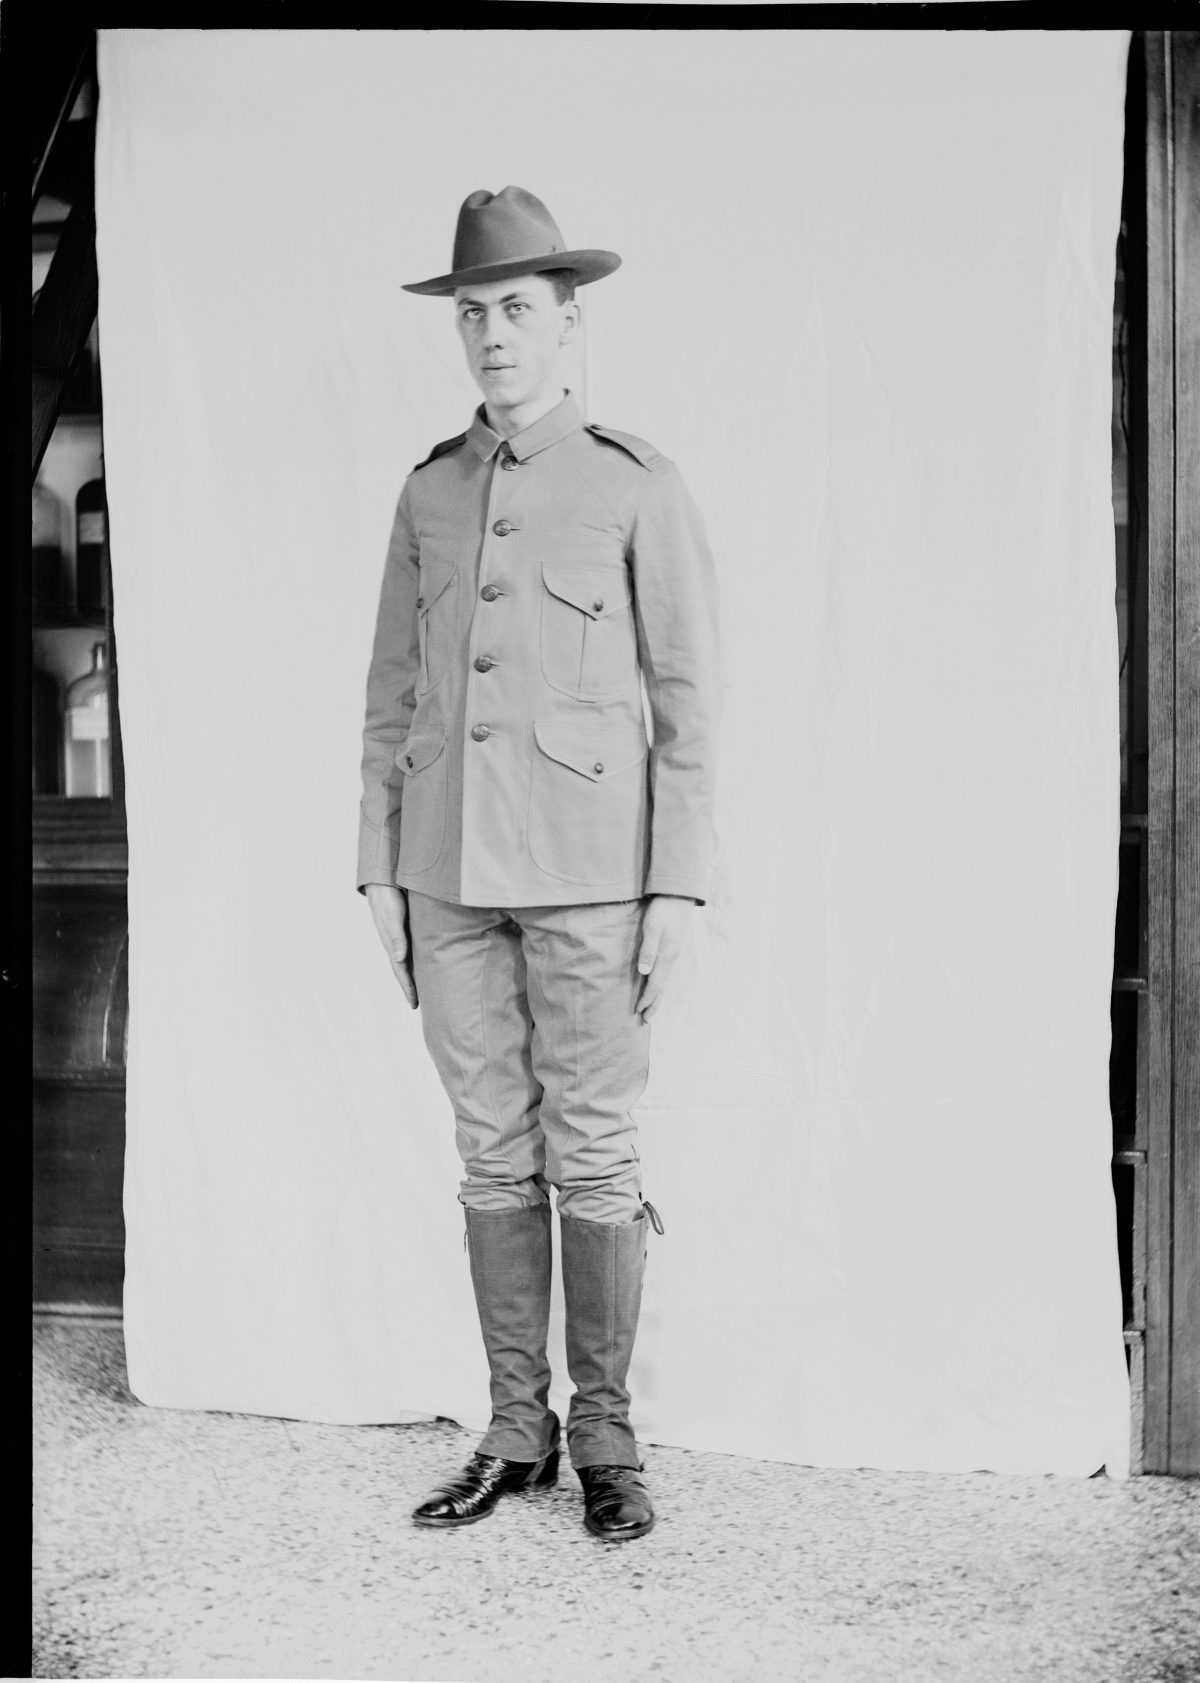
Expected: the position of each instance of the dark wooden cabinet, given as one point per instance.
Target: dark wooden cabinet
(80, 940)
(80, 968)
(80, 1035)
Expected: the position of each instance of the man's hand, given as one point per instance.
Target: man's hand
(666, 928)
(389, 908)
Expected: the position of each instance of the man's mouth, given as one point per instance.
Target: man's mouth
(497, 367)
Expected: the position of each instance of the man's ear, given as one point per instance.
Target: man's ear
(570, 322)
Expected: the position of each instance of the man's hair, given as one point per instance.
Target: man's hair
(563, 282)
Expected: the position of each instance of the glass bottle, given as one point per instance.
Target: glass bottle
(91, 542)
(47, 733)
(47, 551)
(87, 761)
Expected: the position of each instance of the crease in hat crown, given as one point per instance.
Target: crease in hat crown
(510, 233)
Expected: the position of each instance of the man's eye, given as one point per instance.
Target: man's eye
(513, 308)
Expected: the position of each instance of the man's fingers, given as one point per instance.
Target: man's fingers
(407, 986)
(402, 969)
(656, 981)
(652, 994)
(388, 910)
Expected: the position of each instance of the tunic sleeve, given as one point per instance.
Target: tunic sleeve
(391, 700)
(676, 596)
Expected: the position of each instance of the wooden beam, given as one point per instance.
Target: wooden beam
(1172, 1419)
(1160, 536)
(59, 64)
(1184, 1425)
(62, 319)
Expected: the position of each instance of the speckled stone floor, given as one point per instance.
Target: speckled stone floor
(176, 1544)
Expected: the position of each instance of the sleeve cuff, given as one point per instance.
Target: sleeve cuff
(378, 855)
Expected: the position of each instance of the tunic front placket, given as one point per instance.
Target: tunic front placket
(496, 738)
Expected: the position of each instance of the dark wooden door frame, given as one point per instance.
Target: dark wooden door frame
(1172, 1392)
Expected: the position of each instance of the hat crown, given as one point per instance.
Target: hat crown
(504, 227)
(509, 233)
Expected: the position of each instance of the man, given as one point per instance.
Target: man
(530, 861)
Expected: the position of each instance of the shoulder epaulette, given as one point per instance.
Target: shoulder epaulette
(442, 449)
(641, 452)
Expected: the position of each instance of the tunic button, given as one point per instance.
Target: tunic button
(503, 527)
(489, 593)
(509, 462)
(598, 605)
(408, 761)
(420, 601)
(480, 733)
(484, 663)
(598, 767)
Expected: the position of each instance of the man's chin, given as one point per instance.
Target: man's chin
(504, 403)
(499, 394)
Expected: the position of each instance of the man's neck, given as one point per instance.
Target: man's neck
(506, 423)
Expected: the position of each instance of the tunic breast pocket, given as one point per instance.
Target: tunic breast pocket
(589, 644)
(436, 602)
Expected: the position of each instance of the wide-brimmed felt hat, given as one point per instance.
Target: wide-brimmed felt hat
(510, 233)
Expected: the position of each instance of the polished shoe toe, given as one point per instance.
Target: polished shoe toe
(438, 1510)
(474, 1493)
(617, 1504)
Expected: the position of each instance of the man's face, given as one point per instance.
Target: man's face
(511, 331)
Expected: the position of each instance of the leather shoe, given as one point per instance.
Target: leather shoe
(616, 1503)
(480, 1485)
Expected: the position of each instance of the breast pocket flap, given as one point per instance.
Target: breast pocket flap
(591, 753)
(596, 592)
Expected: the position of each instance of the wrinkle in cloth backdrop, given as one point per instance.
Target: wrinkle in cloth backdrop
(866, 307)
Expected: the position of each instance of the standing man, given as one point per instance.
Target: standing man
(531, 861)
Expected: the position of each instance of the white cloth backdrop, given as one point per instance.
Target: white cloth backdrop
(866, 306)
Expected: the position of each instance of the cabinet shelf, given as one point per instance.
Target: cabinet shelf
(79, 840)
(58, 620)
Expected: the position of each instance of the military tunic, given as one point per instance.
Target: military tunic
(533, 588)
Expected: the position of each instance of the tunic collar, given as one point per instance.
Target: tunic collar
(551, 428)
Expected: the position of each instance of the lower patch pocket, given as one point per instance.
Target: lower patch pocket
(589, 802)
(421, 759)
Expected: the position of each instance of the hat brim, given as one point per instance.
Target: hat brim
(588, 266)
